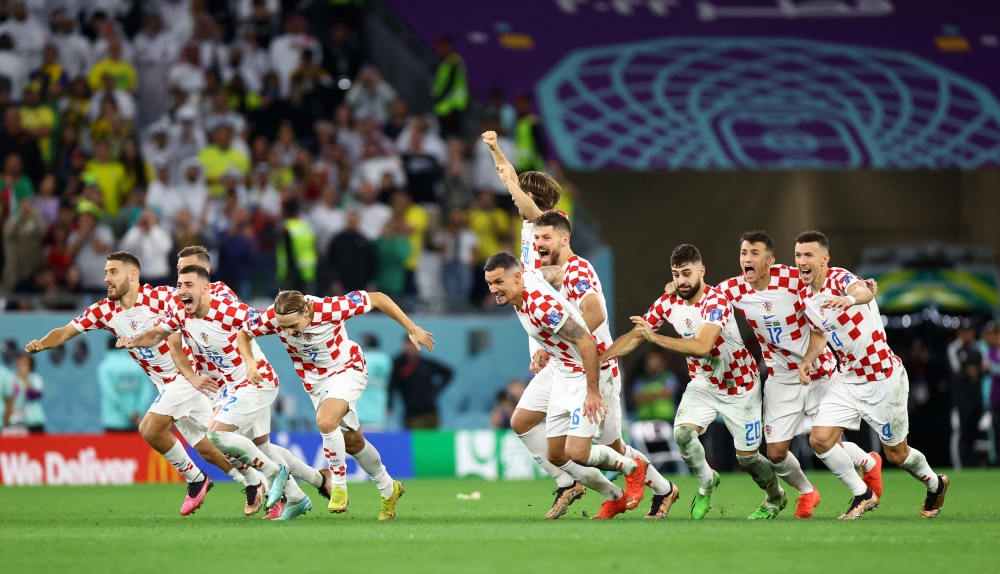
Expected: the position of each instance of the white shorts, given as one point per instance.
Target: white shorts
(536, 396)
(702, 403)
(190, 409)
(564, 416)
(249, 410)
(882, 404)
(787, 402)
(346, 386)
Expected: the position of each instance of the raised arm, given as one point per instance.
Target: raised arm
(698, 346)
(54, 338)
(508, 176)
(418, 336)
(593, 407)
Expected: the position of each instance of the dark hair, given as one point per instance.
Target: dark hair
(291, 208)
(502, 260)
(813, 237)
(127, 258)
(545, 189)
(197, 270)
(196, 251)
(684, 254)
(755, 236)
(555, 220)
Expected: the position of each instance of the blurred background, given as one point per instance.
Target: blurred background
(333, 145)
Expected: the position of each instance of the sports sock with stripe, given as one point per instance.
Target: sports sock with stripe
(791, 472)
(335, 450)
(292, 490)
(861, 459)
(298, 468)
(605, 458)
(841, 465)
(178, 457)
(594, 480)
(916, 465)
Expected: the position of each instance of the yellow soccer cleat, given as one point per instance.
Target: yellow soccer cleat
(388, 511)
(338, 500)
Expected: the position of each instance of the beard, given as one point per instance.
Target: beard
(695, 289)
(121, 290)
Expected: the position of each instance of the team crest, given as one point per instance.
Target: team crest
(134, 325)
(768, 306)
(767, 430)
(204, 338)
(689, 324)
(308, 337)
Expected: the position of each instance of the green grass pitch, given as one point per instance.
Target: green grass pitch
(107, 530)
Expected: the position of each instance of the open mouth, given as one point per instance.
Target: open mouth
(805, 274)
(749, 272)
(543, 255)
(501, 298)
(185, 300)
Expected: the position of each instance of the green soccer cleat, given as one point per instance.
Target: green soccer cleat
(338, 500)
(277, 486)
(768, 509)
(388, 511)
(701, 502)
(293, 511)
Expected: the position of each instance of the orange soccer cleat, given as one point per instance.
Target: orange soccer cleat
(873, 477)
(610, 509)
(805, 504)
(635, 484)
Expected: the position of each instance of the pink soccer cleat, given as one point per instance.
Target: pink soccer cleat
(275, 511)
(196, 495)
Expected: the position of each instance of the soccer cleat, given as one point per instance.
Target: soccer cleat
(663, 502)
(805, 504)
(935, 500)
(635, 484)
(860, 505)
(701, 502)
(388, 511)
(327, 486)
(610, 509)
(293, 511)
(196, 495)
(255, 499)
(275, 511)
(338, 500)
(873, 477)
(277, 488)
(768, 509)
(565, 496)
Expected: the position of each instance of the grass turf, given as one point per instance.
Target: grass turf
(137, 529)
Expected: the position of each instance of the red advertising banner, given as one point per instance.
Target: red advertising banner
(88, 459)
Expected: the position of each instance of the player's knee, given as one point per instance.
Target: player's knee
(777, 453)
(558, 459)
(896, 456)
(215, 437)
(579, 454)
(684, 436)
(521, 423)
(327, 424)
(819, 443)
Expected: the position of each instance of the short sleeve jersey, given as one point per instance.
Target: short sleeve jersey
(777, 317)
(529, 253)
(151, 304)
(212, 340)
(542, 313)
(856, 333)
(729, 366)
(579, 282)
(323, 350)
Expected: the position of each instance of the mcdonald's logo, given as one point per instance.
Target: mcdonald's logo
(159, 470)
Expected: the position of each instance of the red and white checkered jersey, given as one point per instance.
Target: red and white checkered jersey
(729, 366)
(529, 252)
(777, 317)
(220, 289)
(579, 282)
(212, 340)
(151, 304)
(542, 313)
(323, 350)
(856, 333)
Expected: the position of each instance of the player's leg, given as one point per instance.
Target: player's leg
(784, 417)
(869, 463)
(328, 416)
(590, 477)
(610, 435)
(370, 461)
(528, 422)
(696, 411)
(741, 414)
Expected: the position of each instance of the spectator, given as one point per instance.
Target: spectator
(109, 175)
(371, 96)
(966, 393)
(27, 34)
(193, 189)
(254, 56)
(286, 50)
(450, 93)
(314, 81)
(22, 395)
(22, 242)
(419, 381)
(74, 107)
(13, 66)
(567, 199)
(221, 157)
(151, 244)
(392, 249)
(528, 140)
(342, 58)
(457, 246)
(457, 177)
(376, 161)
(155, 51)
(262, 16)
(351, 258)
(46, 201)
(262, 195)
(52, 74)
(74, 48)
(236, 252)
(186, 232)
(135, 166)
(492, 228)
(327, 219)
(42, 282)
(654, 389)
(399, 114)
(14, 140)
(286, 147)
(158, 150)
(107, 90)
(507, 400)
(424, 156)
(125, 390)
(415, 222)
(187, 74)
(233, 64)
(89, 247)
(371, 406)
(123, 73)
(296, 250)
(16, 187)
(186, 137)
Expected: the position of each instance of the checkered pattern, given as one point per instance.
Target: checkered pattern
(856, 334)
(542, 313)
(729, 366)
(777, 317)
(222, 291)
(323, 350)
(579, 281)
(151, 305)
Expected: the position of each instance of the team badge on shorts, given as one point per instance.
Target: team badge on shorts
(768, 306)
(767, 430)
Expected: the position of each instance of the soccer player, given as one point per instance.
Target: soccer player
(128, 310)
(579, 285)
(333, 372)
(581, 391)
(212, 327)
(767, 295)
(724, 377)
(873, 384)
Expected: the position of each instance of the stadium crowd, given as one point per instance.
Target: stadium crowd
(149, 126)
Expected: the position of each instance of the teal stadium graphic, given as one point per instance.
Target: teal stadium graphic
(764, 103)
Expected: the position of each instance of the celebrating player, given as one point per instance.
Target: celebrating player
(130, 309)
(213, 328)
(724, 378)
(872, 386)
(333, 372)
(577, 407)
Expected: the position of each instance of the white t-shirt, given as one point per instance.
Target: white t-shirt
(90, 261)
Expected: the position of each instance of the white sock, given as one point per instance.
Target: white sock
(536, 443)
(242, 448)
(242, 473)
(370, 461)
(292, 490)
(605, 458)
(335, 451)
(762, 472)
(841, 465)
(179, 459)
(916, 465)
(861, 459)
(694, 456)
(594, 480)
(654, 479)
(298, 468)
(791, 472)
